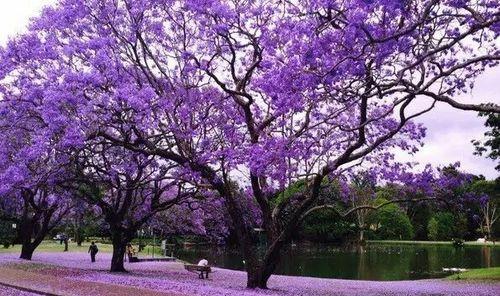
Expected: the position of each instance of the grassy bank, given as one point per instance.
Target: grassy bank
(480, 274)
(403, 242)
(53, 246)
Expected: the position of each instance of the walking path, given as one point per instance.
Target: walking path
(72, 273)
(52, 285)
(8, 290)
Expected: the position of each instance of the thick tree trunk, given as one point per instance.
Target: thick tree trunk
(25, 234)
(27, 251)
(259, 271)
(117, 259)
(258, 274)
(119, 240)
(253, 265)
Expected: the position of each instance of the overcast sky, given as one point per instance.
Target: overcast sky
(449, 131)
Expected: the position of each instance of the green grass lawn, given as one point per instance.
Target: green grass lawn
(480, 274)
(53, 246)
(399, 242)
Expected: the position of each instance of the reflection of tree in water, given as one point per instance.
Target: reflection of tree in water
(419, 264)
(363, 271)
(486, 256)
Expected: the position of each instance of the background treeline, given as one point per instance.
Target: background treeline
(416, 221)
(433, 221)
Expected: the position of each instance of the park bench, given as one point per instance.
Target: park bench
(133, 259)
(197, 268)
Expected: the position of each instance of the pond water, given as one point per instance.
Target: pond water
(370, 262)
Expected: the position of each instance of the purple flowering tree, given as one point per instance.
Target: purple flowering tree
(247, 97)
(128, 189)
(31, 176)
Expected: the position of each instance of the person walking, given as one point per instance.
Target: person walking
(66, 243)
(93, 251)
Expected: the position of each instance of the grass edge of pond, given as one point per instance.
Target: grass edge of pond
(440, 243)
(490, 274)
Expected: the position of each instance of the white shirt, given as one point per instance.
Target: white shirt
(203, 262)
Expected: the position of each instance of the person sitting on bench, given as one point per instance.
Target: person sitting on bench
(203, 262)
(202, 268)
(132, 257)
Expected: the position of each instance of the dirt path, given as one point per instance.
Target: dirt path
(51, 285)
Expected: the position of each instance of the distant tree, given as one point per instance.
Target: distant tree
(419, 215)
(446, 226)
(391, 222)
(326, 226)
(491, 145)
(7, 233)
(489, 203)
(362, 192)
(129, 189)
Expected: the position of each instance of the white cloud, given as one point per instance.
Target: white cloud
(15, 15)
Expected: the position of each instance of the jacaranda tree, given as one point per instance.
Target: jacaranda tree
(250, 96)
(32, 172)
(128, 189)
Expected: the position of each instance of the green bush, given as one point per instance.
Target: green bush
(326, 226)
(7, 234)
(390, 222)
(446, 226)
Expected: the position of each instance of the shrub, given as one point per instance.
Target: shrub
(446, 226)
(390, 222)
(326, 226)
(7, 234)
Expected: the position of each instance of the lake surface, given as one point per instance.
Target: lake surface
(370, 262)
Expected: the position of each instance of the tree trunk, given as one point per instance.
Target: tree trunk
(78, 231)
(252, 265)
(258, 273)
(27, 251)
(25, 234)
(117, 259)
(119, 240)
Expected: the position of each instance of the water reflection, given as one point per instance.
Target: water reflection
(371, 262)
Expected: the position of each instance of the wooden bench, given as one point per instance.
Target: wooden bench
(197, 268)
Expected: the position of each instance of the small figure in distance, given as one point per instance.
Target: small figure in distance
(66, 238)
(93, 251)
(131, 254)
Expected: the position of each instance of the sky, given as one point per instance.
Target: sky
(449, 131)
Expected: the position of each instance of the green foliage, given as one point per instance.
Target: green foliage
(420, 214)
(446, 226)
(326, 226)
(490, 147)
(384, 194)
(90, 191)
(433, 229)
(295, 188)
(390, 222)
(7, 234)
(481, 274)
